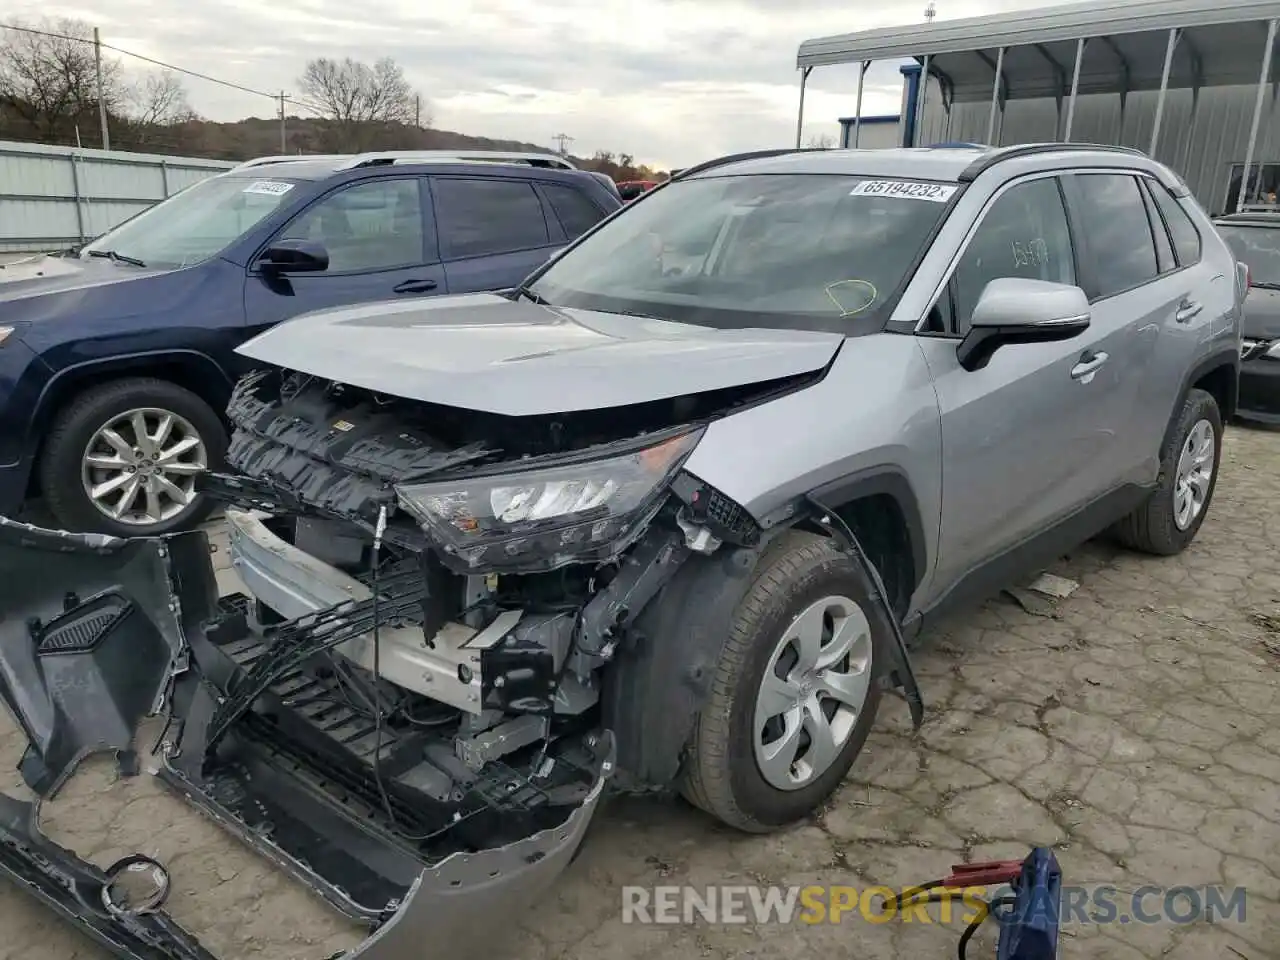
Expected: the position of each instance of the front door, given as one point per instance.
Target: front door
(1024, 438)
(380, 243)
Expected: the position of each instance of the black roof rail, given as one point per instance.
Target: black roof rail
(988, 160)
(737, 157)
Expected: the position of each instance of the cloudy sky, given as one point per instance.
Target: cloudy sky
(669, 81)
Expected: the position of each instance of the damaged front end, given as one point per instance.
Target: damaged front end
(144, 631)
(441, 662)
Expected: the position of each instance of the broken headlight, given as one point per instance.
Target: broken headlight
(546, 517)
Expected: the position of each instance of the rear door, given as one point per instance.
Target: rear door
(573, 209)
(493, 231)
(381, 247)
(1152, 295)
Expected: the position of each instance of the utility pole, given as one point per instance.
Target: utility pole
(563, 139)
(102, 94)
(284, 136)
(930, 12)
(417, 110)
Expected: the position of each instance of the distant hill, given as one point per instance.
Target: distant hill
(255, 137)
(258, 137)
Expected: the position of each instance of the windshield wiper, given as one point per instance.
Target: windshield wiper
(117, 257)
(1266, 284)
(539, 299)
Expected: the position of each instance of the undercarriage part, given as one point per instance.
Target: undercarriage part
(669, 661)
(904, 674)
(644, 572)
(275, 741)
(90, 630)
(509, 664)
(79, 892)
(709, 508)
(483, 748)
(335, 448)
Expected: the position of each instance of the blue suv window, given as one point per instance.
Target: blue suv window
(373, 225)
(198, 223)
(575, 212)
(477, 218)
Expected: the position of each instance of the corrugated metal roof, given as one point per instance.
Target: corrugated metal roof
(1062, 26)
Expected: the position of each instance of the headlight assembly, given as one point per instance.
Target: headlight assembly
(544, 518)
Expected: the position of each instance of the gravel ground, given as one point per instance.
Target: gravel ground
(1133, 727)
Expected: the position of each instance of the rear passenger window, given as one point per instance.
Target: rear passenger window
(1114, 218)
(1024, 234)
(476, 218)
(575, 212)
(1186, 238)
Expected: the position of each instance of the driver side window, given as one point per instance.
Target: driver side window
(375, 225)
(1023, 234)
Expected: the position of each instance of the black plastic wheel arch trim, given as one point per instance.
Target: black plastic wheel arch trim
(904, 676)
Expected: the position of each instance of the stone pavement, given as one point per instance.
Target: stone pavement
(1134, 729)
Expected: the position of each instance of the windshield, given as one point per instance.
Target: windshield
(1258, 248)
(194, 225)
(803, 251)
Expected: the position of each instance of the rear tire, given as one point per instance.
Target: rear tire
(723, 773)
(75, 437)
(1165, 524)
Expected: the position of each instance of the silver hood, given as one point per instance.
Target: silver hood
(487, 353)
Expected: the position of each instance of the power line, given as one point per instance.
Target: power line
(154, 62)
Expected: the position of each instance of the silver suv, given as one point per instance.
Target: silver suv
(665, 515)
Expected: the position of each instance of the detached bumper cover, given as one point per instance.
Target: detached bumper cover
(138, 611)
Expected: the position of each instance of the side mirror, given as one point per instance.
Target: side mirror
(294, 256)
(1012, 310)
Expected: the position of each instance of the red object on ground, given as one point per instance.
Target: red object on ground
(983, 874)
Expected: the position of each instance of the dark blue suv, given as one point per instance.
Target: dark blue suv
(116, 361)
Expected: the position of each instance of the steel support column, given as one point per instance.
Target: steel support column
(920, 99)
(1164, 89)
(995, 95)
(804, 80)
(1257, 114)
(1075, 84)
(857, 117)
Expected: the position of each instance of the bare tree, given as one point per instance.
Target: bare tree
(361, 103)
(158, 99)
(48, 77)
(821, 141)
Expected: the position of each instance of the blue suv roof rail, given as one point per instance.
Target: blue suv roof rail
(383, 157)
(1000, 154)
(738, 157)
(286, 158)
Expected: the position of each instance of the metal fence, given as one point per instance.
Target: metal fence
(54, 197)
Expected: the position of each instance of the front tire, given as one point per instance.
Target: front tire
(795, 691)
(122, 459)
(1168, 521)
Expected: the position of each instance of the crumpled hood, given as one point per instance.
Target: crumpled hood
(43, 274)
(516, 358)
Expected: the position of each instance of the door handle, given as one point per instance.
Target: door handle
(416, 286)
(1188, 310)
(1089, 364)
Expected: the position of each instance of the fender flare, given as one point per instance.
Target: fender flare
(884, 480)
(60, 384)
(1227, 357)
(671, 653)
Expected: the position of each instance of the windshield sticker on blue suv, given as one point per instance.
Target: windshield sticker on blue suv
(937, 192)
(272, 188)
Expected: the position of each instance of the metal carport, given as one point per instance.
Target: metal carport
(1060, 54)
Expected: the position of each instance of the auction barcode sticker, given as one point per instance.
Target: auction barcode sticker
(274, 188)
(936, 192)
